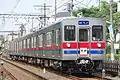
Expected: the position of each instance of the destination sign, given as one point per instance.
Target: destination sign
(83, 22)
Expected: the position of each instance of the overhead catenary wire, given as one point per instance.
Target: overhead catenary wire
(81, 3)
(58, 7)
(12, 11)
(78, 3)
(89, 2)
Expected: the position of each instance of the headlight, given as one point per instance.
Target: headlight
(98, 44)
(68, 44)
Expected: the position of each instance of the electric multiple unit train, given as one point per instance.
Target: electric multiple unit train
(72, 44)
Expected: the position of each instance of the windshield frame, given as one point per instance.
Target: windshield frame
(97, 33)
(67, 32)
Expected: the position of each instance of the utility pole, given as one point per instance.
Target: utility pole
(44, 8)
(44, 14)
(22, 30)
(71, 6)
(111, 22)
(55, 9)
(99, 5)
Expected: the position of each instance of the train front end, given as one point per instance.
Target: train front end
(83, 43)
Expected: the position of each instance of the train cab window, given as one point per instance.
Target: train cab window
(97, 33)
(83, 35)
(69, 33)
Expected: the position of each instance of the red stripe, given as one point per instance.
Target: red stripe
(73, 45)
(83, 45)
(92, 45)
(44, 48)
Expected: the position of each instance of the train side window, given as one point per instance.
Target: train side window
(15, 46)
(28, 43)
(49, 38)
(18, 46)
(24, 43)
(21, 45)
(97, 33)
(40, 40)
(34, 41)
(37, 41)
(57, 37)
(69, 32)
(12, 46)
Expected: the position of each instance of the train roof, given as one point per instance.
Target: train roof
(58, 22)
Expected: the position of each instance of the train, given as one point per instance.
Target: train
(71, 44)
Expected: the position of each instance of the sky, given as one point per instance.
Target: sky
(27, 7)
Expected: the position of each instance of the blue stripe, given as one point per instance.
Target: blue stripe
(38, 50)
(68, 51)
(96, 52)
(89, 52)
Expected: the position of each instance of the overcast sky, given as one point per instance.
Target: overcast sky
(26, 6)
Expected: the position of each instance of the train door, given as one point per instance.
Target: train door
(83, 41)
(53, 44)
(56, 42)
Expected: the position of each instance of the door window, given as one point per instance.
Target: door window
(83, 35)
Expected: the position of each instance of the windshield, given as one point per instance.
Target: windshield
(97, 33)
(83, 35)
(69, 33)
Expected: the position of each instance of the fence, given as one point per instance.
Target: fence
(112, 66)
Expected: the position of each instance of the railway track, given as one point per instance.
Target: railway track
(12, 77)
(33, 74)
(68, 77)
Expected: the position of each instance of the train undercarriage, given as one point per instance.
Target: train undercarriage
(81, 65)
(73, 66)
